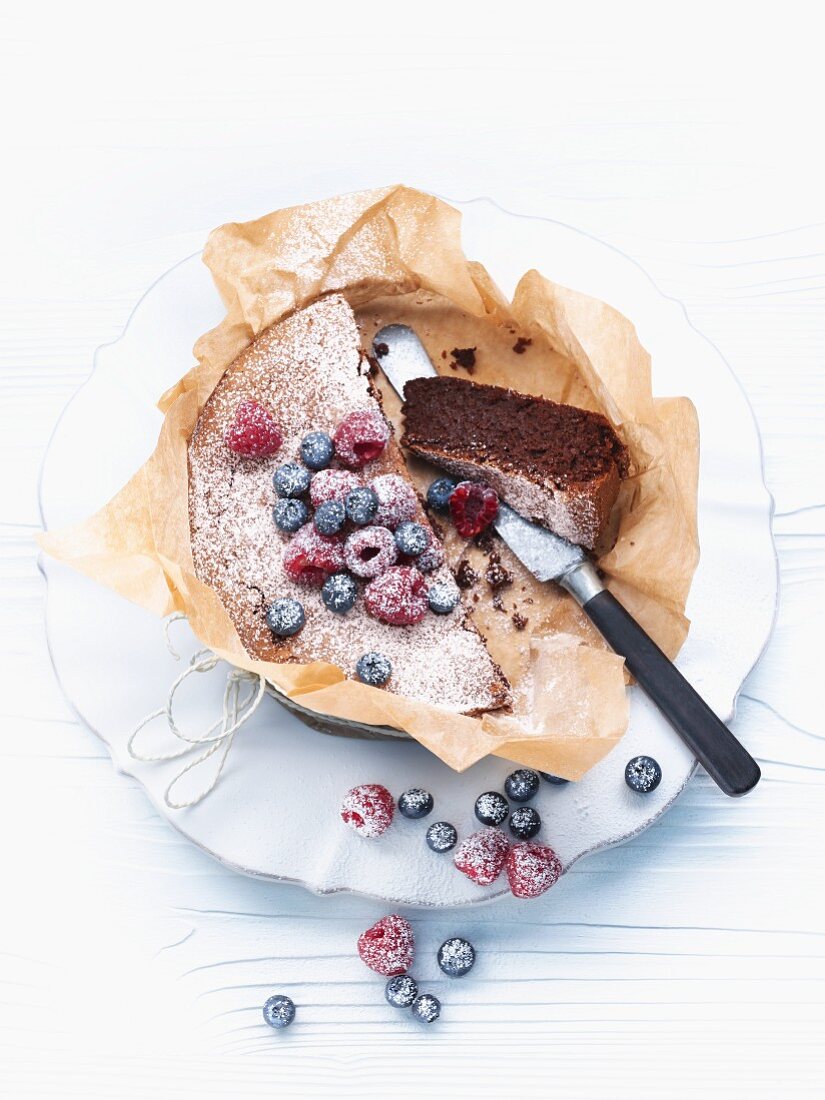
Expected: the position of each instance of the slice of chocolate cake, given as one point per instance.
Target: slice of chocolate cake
(555, 464)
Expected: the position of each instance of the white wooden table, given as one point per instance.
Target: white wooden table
(690, 959)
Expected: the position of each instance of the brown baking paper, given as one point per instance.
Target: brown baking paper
(395, 254)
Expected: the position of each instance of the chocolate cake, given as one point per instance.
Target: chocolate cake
(307, 375)
(555, 464)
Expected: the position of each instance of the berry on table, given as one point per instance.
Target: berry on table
(426, 1008)
(439, 493)
(643, 774)
(398, 596)
(370, 551)
(316, 450)
(411, 538)
(285, 617)
(361, 437)
(253, 433)
(415, 803)
(329, 517)
(373, 669)
(330, 485)
(441, 836)
(289, 514)
(368, 809)
(291, 480)
(473, 506)
(491, 808)
(396, 500)
(361, 505)
(532, 869)
(310, 557)
(279, 1011)
(522, 784)
(525, 822)
(456, 957)
(443, 597)
(339, 593)
(481, 857)
(389, 946)
(556, 780)
(401, 991)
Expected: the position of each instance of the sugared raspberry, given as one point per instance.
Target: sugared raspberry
(432, 558)
(361, 437)
(397, 501)
(253, 433)
(370, 551)
(328, 485)
(368, 809)
(473, 506)
(388, 947)
(532, 869)
(310, 557)
(482, 855)
(398, 596)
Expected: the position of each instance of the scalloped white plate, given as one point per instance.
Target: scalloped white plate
(274, 813)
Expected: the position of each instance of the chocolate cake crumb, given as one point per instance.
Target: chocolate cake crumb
(522, 344)
(497, 575)
(498, 602)
(519, 621)
(465, 575)
(444, 355)
(464, 358)
(381, 350)
(485, 542)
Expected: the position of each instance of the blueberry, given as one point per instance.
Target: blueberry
(415, 803)
(411, 539)
(361, 505)
(426, 1008)
(439, 493)
(401, 991)
(291, 480)
(285, 617)
(522, 785)
(556, 780)
(329, 517)
(456, 957)
(643, 774)
(339, 593)
(441, 837)
(443, 597)
(491, 808)
(524, 822)
(279, 1011)
(289, 514)
(317, 450)
(373, 669)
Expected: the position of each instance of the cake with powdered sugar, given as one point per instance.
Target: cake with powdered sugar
(303, 520)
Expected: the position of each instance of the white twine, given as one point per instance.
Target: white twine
(238, 708)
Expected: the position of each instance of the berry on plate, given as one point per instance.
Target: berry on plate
(473, 506)
(398, 596)
(525, 822)
(339, 593)
(291, 480)
(441, 836)
(361, 437)
(373, 669)
(456, 957)
(368, 809)
(310, 557)
(253, 433)
(415, 803)
(643, 774)
(289, 514)
(426, 1008)
(397, 501)
(316, 450)
(491, 808)
(401, 991)
(388, 947)
(439, 493)
(532, 869)
(370, 551)
(330, 485)
(285, 617)
(279, 1011)
(482, 855)
(522, 785)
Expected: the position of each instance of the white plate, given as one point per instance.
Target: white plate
(275, 811)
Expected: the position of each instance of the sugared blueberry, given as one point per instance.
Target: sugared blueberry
(285, 617)
(279, 1011)
(373, 669)
(415, 803)
(361, 505)
(525, 822)
(443, 597)
(289, 514)
(643, 774)
(426, 1008)
(339, 593)
(411, 538)
(329, 517)
(291, 480)
(522, 785)
(401, 991)
(491, 808)
(316, 450)
(441, 836)
(432, 558)
(439, 493)
(456, 957)
(556, 780)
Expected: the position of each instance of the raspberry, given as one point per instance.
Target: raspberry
(361, 437)
(396, 500)
(473, 506)
(389, 946)
(398, 596)
(329, 485)
(368, 809)
(532, 869)
(370, 551)
(253, 433)
(432, 558)
(310, 558)
(482, 855)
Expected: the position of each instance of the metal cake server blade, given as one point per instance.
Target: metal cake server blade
(402, 357)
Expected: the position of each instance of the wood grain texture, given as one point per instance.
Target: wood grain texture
(690, 959)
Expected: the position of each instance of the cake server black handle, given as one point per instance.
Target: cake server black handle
(727, 762)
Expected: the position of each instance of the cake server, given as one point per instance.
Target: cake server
(551, 558)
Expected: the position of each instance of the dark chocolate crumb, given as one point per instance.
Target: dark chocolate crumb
(465, 575)
(497, 575)
(498, 602)
(485, 541)
(381, 350)
(519, 621)
(443, 355)
(464, 358)
(522, 344)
